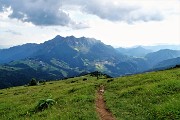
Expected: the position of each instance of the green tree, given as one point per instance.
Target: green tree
(33, 82)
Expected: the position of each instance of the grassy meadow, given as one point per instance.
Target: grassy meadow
(154, 95)
(149, 96)
(74, 100)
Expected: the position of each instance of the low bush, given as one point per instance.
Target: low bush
(84, 79)
(33, 82)
(110, 80)
(44, 104)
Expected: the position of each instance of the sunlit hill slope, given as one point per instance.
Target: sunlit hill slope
(153, 95)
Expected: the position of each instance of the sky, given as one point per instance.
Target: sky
(120, 23)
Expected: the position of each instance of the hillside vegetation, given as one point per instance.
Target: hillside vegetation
(151, 96)
(64, 57)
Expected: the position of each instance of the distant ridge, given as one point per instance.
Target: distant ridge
(135, 52)
(63, 57)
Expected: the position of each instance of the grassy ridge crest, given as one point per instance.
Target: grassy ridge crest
(153, 95)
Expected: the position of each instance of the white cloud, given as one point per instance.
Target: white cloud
(115, 22)
(51, 12)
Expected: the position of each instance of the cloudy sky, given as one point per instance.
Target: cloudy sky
(115, 22)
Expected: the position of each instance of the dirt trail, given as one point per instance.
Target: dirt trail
(103, 112)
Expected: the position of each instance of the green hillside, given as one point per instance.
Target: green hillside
(151, 96)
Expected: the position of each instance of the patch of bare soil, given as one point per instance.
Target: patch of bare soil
(103, 112)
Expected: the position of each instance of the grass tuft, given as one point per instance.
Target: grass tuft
(44, 104)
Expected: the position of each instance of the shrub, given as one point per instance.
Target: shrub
(96, 74)
(42, 82)
(110, 80)
(108, 76)
(33, 82)
(177, 66)
(84, 79)
(44, 104)
(73, 81)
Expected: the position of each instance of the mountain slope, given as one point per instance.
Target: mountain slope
(136, 52)
(161, 55)
(19, 103)
(77, 50)
(18, 52)
(64, 57)
(160, 47)
(152, 96)
(168, 63)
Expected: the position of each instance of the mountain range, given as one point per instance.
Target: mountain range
(64, 57)
(160, 47)
(135, 52)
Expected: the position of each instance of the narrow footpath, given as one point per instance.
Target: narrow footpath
(103, 112)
